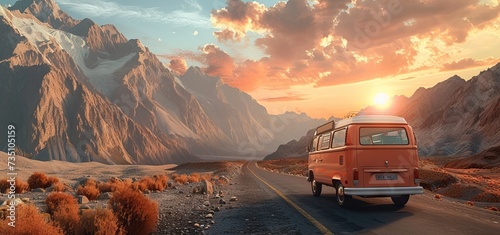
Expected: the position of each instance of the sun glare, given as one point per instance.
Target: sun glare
(381, 100)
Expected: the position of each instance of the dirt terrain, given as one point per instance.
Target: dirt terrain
(180, 210)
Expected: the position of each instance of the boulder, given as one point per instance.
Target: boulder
(105, 196)
(82, 199)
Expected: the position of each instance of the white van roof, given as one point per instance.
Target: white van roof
(370, 119)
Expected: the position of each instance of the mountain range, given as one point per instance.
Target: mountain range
(78, 92)
(454, 117)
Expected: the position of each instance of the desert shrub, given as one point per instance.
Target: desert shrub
(58, 187)
(51, 181)
(105, 187)
(53, 201)
(206, 177)
(162, 180)
(181, 179)
(89, 189)
(114, 184)
(99, 222)
(21, 186)
(65, 216)
(135, 212)
(139, 186)
(38, 180)
(194, 178)
(28, 221)
(4, 185)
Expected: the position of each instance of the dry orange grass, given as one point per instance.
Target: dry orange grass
(28, 221)
(53, 201)
(89, 189)
(99, 222)
(113, 185)
(58, 187)
(21, 186)
(38, 180)
(136, 213)
(64, 211)
(180, 179)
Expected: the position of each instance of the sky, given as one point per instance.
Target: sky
(322, 57)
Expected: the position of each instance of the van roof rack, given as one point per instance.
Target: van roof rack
(329, 126)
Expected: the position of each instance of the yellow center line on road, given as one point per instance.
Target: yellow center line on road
(316, 223)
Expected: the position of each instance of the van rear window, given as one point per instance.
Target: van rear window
(383, 136)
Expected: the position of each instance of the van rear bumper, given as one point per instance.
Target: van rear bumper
(384, 191)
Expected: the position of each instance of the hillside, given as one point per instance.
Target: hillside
(454, 117)
(78, 92)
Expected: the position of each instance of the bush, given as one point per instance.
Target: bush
(181, 179)
(66, 217)
(194, 178)
(21, 186)
(89, 189)
(163, 180)
(51, 181)
(99, 222)
(136, 213)
(38, 180)
(54, 200)
(58, 187)
(112, 185)
(28, 221)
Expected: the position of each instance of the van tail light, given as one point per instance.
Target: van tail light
(355, 176)
(416, 176)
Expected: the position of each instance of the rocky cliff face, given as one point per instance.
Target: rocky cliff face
(455, 117)
(89, 94)
(58, 114)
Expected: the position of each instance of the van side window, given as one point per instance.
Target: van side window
(383, 136)
(339, 138)
(325, 141)
(314, 144)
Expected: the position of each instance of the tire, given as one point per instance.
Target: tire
(342, 199)
(316, 188)
(401, 200)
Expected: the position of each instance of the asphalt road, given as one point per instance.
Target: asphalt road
(422, 214)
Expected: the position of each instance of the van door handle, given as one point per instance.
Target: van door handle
(320, 160)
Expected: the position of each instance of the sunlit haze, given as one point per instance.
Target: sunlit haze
(320, 57)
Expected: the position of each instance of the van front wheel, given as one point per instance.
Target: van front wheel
(316, 188)
(401, 200)
(342, 199)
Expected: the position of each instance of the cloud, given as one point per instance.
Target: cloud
(178, 66)
(110, 9)
(159, 39)
(195, 33)
(469, 63)
(287, 98)
(340, 42)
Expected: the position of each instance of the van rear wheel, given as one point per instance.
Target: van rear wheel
(342, 199)
(401, 200)
(316, 188)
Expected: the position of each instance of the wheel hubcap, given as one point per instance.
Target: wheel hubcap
(341, 193)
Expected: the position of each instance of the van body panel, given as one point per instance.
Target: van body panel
(368, 155)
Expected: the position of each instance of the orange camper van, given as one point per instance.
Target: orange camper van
(366, 156)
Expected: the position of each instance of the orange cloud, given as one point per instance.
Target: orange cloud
(289, 97)
(178, 66)
(339, 42)
(468, 63)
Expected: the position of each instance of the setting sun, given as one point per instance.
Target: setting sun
(381, 100)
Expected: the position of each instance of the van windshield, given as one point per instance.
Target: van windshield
(383, 136)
